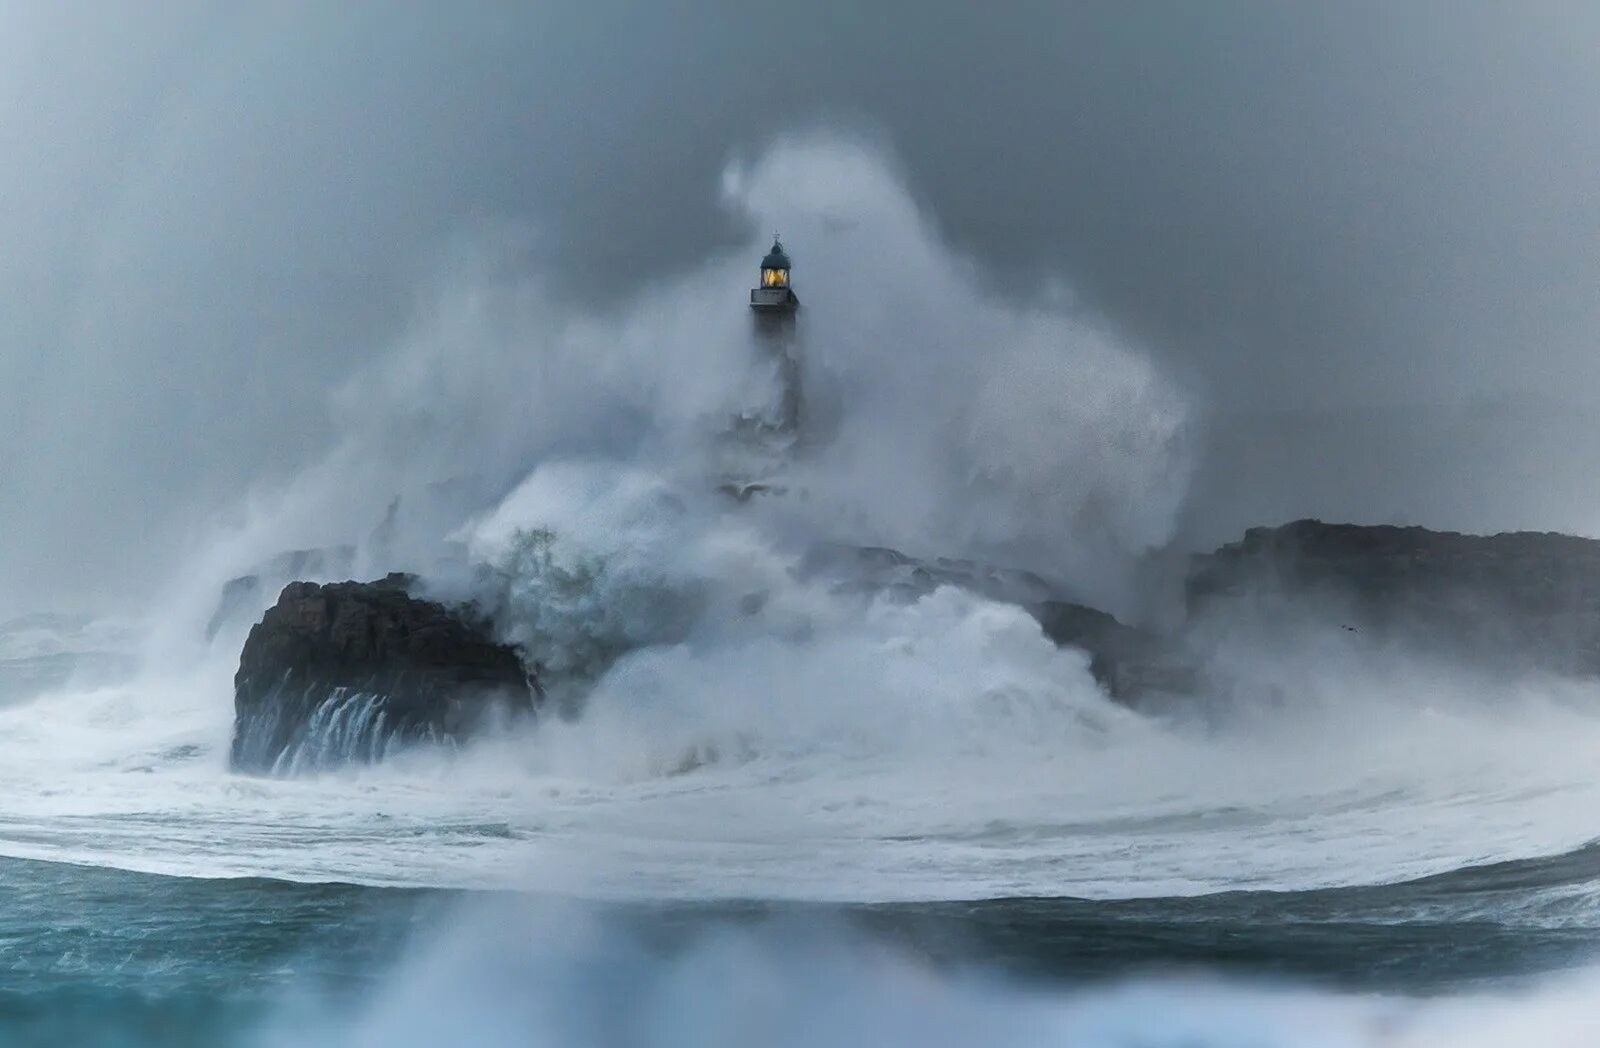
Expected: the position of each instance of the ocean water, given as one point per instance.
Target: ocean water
(1130, 882)
(786, 810)
(103, 956)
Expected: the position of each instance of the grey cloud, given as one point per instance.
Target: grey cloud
(1368, 213)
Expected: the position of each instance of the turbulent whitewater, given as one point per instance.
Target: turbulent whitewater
(737, 730)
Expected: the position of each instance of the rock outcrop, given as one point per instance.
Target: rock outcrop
(1519, 600)
(350, 671)
(1514, 602)
(1130, 663)
(246, 595)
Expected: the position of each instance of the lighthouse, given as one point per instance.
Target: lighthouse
(774, 295)
(772, 307)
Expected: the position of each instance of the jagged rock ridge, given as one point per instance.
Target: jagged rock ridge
(349, 671)
(1131, 663)
(1520, 600)
(247, 593)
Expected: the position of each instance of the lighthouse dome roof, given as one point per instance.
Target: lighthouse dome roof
(777, 258)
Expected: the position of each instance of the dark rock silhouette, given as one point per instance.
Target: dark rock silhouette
(350, 671)
(1130, 663)
(1511, 603)
(247, 594)
(1518, 600)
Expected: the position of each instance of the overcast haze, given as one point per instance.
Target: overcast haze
(1365, 236)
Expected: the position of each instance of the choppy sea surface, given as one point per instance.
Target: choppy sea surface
(1064, 873)
(103, 956)
(789, 812)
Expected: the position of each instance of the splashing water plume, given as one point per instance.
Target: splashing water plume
(506, 975)
(744, 729)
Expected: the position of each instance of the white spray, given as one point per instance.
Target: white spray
(747, 731)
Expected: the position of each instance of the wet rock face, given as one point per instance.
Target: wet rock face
(352, 671)
(1132, 664)
(1510, 603)
(1520, 600)
(247, 594)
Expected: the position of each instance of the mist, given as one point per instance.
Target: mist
(505, 971)
(1318, 223)
(833, 674)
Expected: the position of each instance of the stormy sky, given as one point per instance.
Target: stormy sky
(1365, 235)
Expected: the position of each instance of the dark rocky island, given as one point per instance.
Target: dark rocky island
(348, 671)
(1513, 603)
(1130, 663)
(1519, 600)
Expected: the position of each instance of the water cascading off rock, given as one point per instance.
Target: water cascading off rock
(350, 672)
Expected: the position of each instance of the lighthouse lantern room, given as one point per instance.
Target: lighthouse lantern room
(774, 295)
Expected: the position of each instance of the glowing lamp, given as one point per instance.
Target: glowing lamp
(773, 294)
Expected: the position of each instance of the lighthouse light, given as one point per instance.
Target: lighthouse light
(773, 296)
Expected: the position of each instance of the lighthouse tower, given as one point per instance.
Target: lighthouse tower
(774, 296)
(774, 427)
